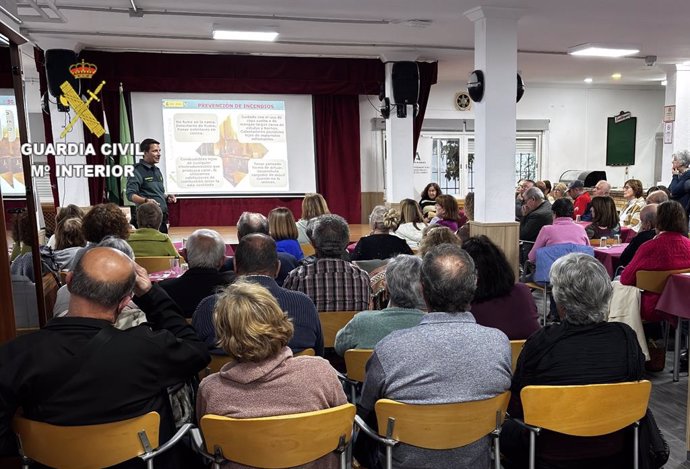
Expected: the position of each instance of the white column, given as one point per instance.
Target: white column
(495, 53)
(399, 147)
(678, 94)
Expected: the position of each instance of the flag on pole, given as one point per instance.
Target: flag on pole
(125, 138)
(112, 188)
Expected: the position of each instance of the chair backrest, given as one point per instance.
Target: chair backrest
(280, 441)
(85, 446)
(585, 410)
(217, 362)
(547, 255)
(356, 363)
(441, 426)
(154, 263)
(332, 322)
(515, 349)
(654, 280)
(309, 352)
(307, 249)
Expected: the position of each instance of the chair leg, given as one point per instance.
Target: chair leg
(149, 464)
(676, 351)
(545, 313)
(666, 332)
(497, 453)
(389, 457)
(532, 443)
(636, 456)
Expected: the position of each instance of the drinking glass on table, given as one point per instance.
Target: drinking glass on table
(175, 265)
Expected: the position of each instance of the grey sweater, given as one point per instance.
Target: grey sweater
(446, 358)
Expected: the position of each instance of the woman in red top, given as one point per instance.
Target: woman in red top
(669, 250)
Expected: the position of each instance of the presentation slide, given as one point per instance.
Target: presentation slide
(226, 145)
(11, 175)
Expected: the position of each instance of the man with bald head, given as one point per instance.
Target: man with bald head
(657, 197)
(80, 370)
(647, 232)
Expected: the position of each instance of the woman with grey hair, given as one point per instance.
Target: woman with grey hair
(404, 309)
(582, 349)
(380, 244)
(680, 183)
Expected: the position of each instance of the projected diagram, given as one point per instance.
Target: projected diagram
(225, 146)
(11, 175)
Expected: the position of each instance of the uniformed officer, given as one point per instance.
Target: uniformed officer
(146, 186)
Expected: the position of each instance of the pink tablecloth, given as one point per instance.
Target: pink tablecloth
(627, 233)
(610, 257)
(162, 275)
(674, 298)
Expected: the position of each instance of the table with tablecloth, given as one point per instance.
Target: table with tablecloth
(674, 300)
(610, 256)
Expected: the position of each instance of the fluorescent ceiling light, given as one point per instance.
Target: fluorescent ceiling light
(588, 80)
(602, 50)
(234, 35)
(616, 76)
(663, 82)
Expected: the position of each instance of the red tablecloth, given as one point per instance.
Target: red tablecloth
(674, 298)
(610, 257)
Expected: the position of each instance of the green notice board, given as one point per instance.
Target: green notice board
(620, 142)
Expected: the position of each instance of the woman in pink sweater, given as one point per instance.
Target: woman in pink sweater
(669, 250)
(264, 379)
(563, 230)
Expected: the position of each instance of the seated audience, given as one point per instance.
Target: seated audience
(282, 227)
(582, 349)
(380, 244)
(536, 213)
(657, 196)
(130, 315)
(559, 191)
(604, 219)
(563, 229)
(498, 301)
(256, 261)
(679, 187)
(79, 370)
(313, 205)
(146, 240)
(436, 235)
(669, 250)
(205, 257)
(70, 211)
(404, 309)
(332, 283)
(464, 230)
(522, 186)
(411, 223)
(105, 220)
(249, 223)
(647, 232)
(630, 215)
(581, 198)
(264, 378)
(69, 239)
(447, 213)
(447, 358)
(427, 202)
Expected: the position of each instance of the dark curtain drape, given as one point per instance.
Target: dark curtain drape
(335, 84)
(39, 58)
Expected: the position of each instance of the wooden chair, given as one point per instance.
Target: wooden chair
(438, 426)
(280, 441)
(515, 349)
(92, 446)
(585, 410)
(307, 249)
(154, 263)
(654, 281)
(355, 364)
(331, 323)
(309, 352)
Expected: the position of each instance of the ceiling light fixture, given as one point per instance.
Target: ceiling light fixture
(588, 80)
(616, 76)
(237, 35)
(601, 50)
(663, 82)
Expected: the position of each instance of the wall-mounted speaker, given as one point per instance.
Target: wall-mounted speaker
(58, 62)
(405, 78)
(475, 85)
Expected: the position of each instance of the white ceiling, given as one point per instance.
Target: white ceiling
(374, 28)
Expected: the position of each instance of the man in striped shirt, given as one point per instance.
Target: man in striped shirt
(332, 283)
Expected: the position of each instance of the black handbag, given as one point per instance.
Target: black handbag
(654, 450)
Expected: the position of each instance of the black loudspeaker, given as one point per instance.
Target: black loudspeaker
(405, 78)
(58, 62)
